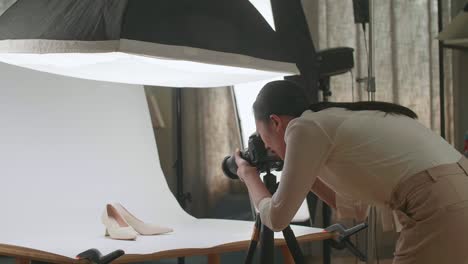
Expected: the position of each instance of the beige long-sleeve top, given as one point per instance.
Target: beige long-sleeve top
(361, 155)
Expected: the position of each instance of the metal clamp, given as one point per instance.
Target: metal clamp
(95, 256)
(342, 240)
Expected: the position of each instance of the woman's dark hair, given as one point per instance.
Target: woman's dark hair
(287, 98)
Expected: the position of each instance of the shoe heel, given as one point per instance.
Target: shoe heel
(115, 229)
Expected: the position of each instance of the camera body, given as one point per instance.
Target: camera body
(256, 155)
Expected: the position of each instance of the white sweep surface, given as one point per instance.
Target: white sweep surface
(68, 147)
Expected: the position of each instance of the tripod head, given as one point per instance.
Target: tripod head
(270, 181)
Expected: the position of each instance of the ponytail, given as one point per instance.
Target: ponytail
(287, 98)
(388, 108)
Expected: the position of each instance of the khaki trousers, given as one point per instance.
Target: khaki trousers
(432, 207)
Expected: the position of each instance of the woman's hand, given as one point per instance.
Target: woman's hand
(251, 177)
(244, 170)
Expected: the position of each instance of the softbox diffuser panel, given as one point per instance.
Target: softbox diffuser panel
(153, 42)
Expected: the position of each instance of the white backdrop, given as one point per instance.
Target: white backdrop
(68, 147)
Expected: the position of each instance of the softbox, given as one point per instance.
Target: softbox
(178, 43)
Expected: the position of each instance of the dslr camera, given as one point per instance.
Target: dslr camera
(256, 155)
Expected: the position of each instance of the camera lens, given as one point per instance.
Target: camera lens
(229, 167)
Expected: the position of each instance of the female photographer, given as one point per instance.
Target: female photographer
(373, 152)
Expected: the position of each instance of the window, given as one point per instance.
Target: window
(245, 97)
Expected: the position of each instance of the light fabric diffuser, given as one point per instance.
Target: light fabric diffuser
(167, 43)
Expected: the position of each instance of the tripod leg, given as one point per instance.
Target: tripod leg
(288, 258)
(326, 214)
(22, 261)
(253, 241)
(312, 200)
(267, 246)
(214, 259)
(293, 245)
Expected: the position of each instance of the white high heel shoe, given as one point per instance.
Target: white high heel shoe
(116, 226)
(140, 226)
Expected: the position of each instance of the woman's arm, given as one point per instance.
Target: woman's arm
(324, 193)
(307, 149)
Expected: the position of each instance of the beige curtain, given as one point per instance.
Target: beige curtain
(406, 54)
(210, 132)
(156, 116)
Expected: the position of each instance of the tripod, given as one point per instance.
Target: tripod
(261, 232)
(266, 235)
